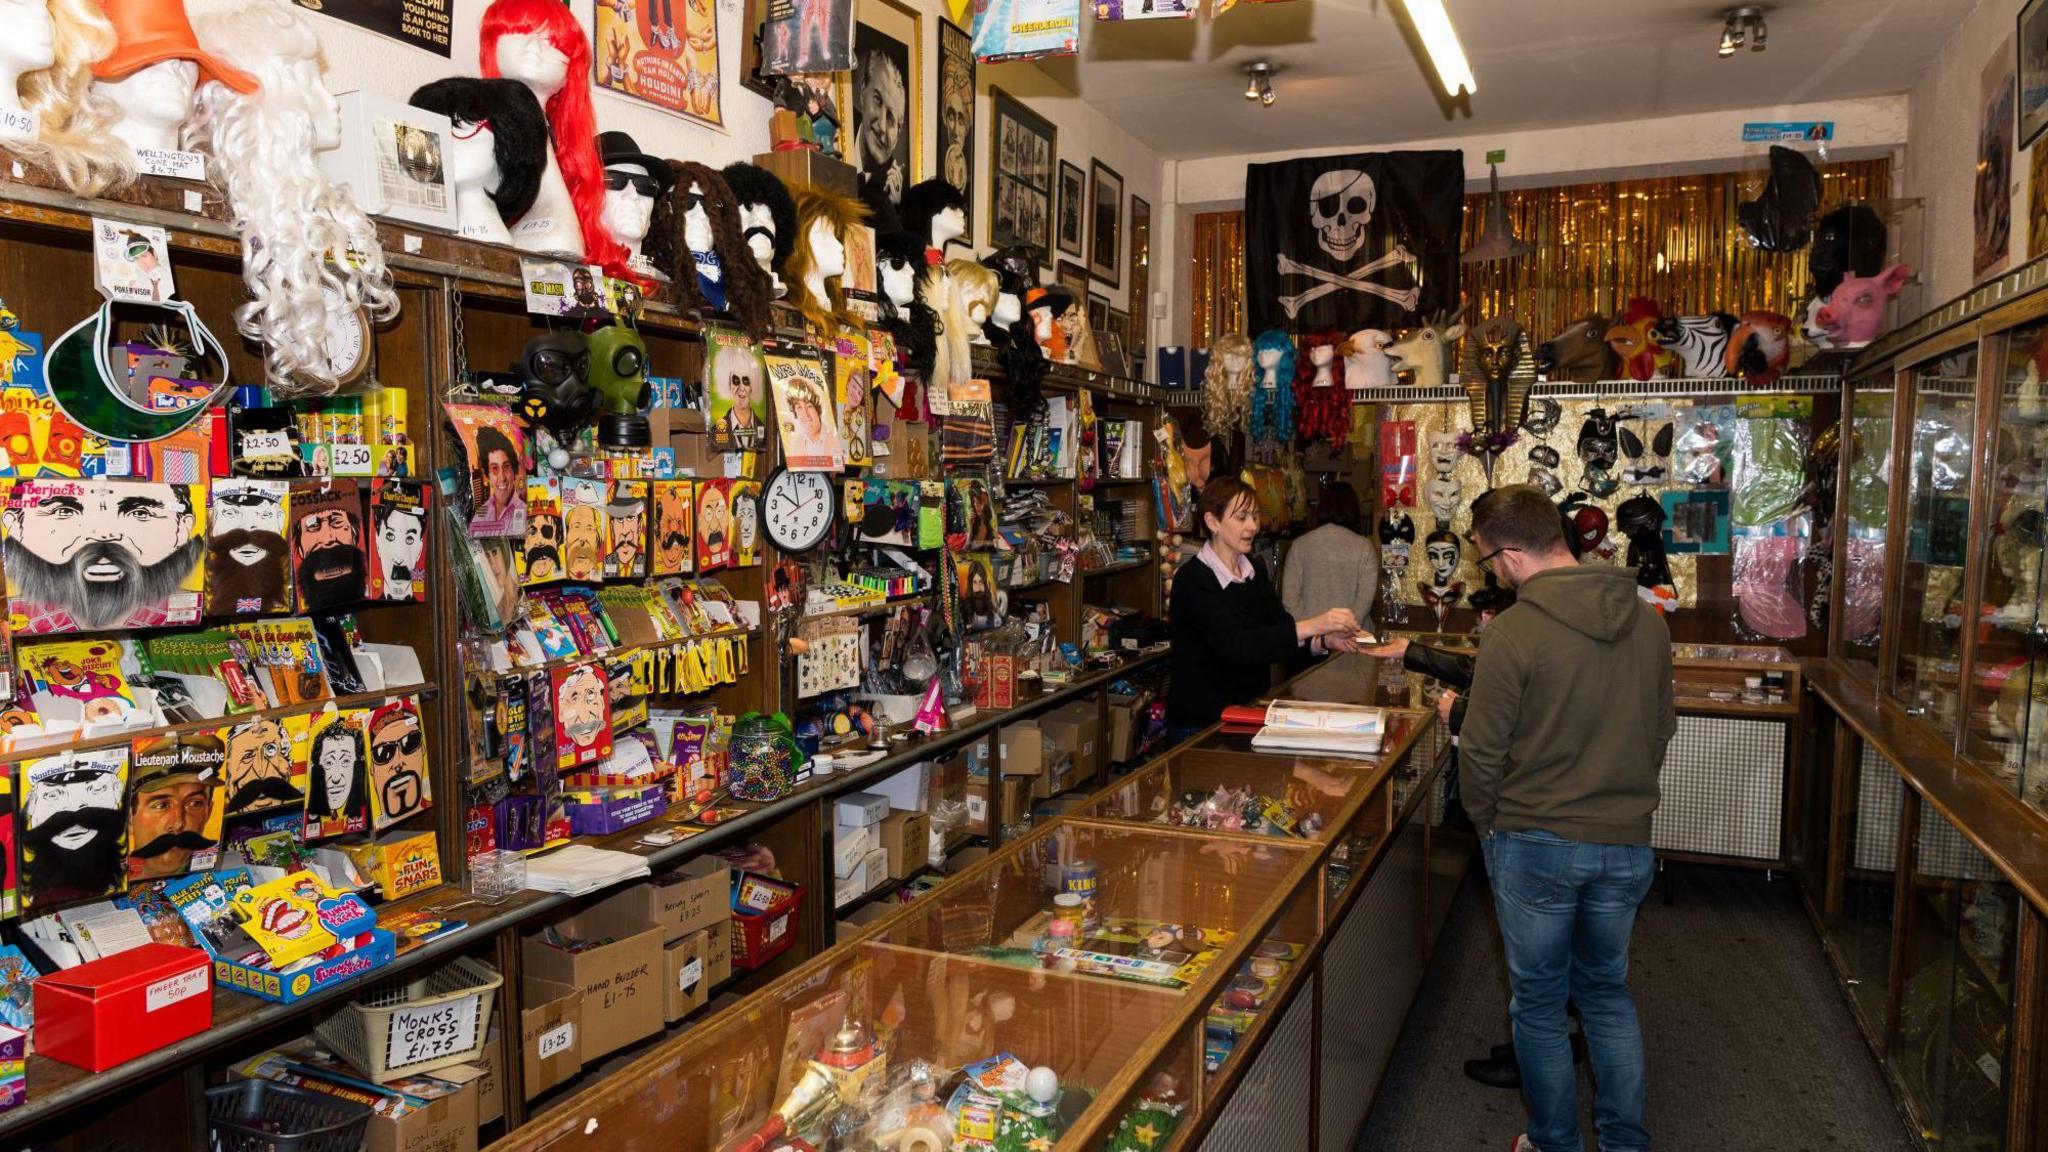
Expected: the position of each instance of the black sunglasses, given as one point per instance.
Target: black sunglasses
(618, 181)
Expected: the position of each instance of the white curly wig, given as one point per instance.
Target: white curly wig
(73, 138)
(289, 214)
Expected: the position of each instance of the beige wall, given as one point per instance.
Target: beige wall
(359, 59)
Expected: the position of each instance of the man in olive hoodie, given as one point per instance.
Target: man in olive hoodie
(1565, 728)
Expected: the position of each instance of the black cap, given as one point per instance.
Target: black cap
(621, 148)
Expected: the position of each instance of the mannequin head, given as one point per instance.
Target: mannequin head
(634, 182)
(899, 256)
(822, 220)
(263, 146)
(935, 212)
(539, 44)
(46, 64)
(500, 139)
(701, 214)
(151, 103)
(767, 214)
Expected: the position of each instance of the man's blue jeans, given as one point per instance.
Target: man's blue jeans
(1566, 908)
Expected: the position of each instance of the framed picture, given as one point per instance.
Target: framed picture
(1105, 222)
(1992, 207)
(1020, 195)
(1098, 313)
(887, 118)
(1139, 336)
(2033, 42)
(1110, 349)
(1073, 209)
(956, 113)
(1074, 321)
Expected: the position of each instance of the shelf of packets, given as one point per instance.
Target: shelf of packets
(570, 623)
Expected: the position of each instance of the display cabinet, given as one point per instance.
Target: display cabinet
(1938, 461)
(1865, 515)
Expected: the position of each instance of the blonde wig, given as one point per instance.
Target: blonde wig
(1227, 394)
(290, 216)
(841, 213)
(952, 289)
(73, 142)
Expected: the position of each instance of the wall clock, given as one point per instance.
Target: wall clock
(797, 509)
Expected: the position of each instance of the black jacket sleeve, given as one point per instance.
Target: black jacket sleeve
(1453, 669)
(1261, 637)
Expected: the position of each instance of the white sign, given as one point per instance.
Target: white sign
(417, 1035)
(350, 460)
(556, 1040)
(172, 989)
(19, 124)
(688, 977)
(171, 162)
(777, 927)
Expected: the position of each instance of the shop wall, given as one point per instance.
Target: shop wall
(1941, 168)
(1670, 145)
(360, 59)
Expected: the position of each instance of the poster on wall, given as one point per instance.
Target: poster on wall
(2033, 93)
(662, 51)
(803, 36)
(1991, 204)
(420, 23)
(956, 113)
(1146, 9)
(1365, 240)
(2037, 202)
(888, 99)
(1026, 29)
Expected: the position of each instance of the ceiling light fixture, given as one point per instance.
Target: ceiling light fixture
(1258, 82)
(1740, 25)
(1440, 40)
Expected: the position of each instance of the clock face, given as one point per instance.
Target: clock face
(346, 343)
(796, 509)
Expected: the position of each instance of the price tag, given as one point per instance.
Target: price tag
(170, 990)
(417, 1035)
(690, 974)
(351, 459)
(977, 808)
(777, 927)
(556, 1040)
(173, 163)
(19, 124)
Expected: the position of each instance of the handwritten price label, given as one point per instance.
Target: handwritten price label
(418, 1035)
(350, 459)
(777, 927)
(556, 1041)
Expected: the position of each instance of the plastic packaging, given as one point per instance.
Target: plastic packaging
(1766, 585)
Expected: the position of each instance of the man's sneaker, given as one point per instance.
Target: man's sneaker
(1498, 1070)
(1524, 1144)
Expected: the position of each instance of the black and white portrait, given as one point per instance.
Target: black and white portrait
(882, 131)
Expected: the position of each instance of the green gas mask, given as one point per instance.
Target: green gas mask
(618, 370)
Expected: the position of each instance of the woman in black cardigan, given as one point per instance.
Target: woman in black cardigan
(1229, 627)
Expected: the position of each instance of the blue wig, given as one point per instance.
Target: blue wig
(1273, 408)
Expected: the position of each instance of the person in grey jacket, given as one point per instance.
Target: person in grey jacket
(1332, 566)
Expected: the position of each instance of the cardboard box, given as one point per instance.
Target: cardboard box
(849, 845)
(1123, 728)
(860, 809)
(906, 840)
(108, 1012)
(490, 1087)
(448, 1124)
(550, 1051)
(690, 899)
(436, 1112)
(850, 887)
(874, 866)
(909, 788)
(620, 981)
(1077, 728)
(867, 914)
(1023, 749)
(803, 166)
(684, 976)
(717, 958)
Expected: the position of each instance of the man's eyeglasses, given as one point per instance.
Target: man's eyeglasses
(1486, 561)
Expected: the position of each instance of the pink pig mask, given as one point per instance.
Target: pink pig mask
(1854, 313)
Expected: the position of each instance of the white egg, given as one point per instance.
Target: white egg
(1043, 1084)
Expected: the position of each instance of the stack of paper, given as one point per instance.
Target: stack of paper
(579, 868)
(1338, 729)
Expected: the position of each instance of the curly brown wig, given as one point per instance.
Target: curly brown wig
(748, 292)
(842, 212)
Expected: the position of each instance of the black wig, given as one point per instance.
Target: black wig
(519, 130)
(924, 201)
(753, 184)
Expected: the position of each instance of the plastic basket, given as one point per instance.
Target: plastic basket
(264, 1116)
(761, 936)
(362, 1032)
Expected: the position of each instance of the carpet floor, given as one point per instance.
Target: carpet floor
(1751, 1044)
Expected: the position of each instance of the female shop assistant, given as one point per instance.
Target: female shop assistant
(1229, 627)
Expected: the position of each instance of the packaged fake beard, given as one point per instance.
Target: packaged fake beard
(338, 778)
(248, 562)
(398, 540)
(72, 838)
(329, 567)
(67, 573)
(586, 528)
(714, 524)
(673, 546)
(582, 715)
(627, 511)
(400, 786)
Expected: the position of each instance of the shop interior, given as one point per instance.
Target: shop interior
(717, 476)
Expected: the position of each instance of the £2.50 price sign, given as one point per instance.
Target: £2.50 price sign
(418, 1035)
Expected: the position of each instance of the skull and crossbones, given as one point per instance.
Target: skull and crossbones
(1340, 205)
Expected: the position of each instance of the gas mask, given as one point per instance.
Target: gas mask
(553, 393)
(618, 372)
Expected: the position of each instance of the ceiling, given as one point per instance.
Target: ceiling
(1350, 72)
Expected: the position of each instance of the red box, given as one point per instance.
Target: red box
(110, 1011)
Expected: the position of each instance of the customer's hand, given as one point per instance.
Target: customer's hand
(1337, 621)
(1444, 702)
(1392, 650)
(1342, 642)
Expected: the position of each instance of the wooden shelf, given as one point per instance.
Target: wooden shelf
(868, 609)
(1120, 566)
(124, 739)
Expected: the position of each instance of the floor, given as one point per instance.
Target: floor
(1751, 1044)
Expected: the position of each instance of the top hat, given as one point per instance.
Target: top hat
(152, 31)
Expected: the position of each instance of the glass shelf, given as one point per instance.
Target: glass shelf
(1867, 476)
(1927, 670)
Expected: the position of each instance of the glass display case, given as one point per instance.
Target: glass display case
(2008, 715)
(1927, 660)
(1956, 1007)
(1857, 917)
(1866, 515)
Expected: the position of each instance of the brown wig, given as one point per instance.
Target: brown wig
(842, 213)
(748, 293)
(1219, 496)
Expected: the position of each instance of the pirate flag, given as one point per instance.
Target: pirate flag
(1368, 240)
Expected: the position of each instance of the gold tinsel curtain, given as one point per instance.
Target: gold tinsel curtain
(1674, 239)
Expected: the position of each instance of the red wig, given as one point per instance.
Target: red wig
(1321, 413)
(571, 120)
